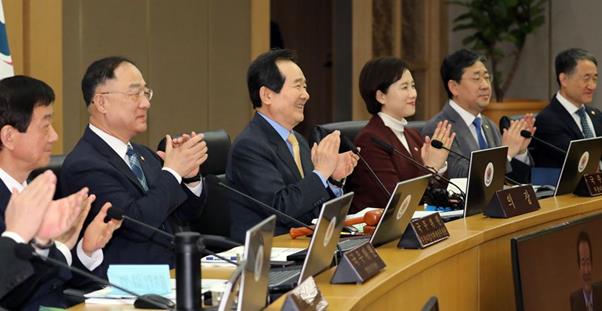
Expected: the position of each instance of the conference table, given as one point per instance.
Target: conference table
(471, 270)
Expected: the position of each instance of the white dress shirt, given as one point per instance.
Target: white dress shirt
(572, 110)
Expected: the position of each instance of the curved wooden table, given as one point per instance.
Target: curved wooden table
(471, 270)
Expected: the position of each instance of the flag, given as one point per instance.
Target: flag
(6, 62)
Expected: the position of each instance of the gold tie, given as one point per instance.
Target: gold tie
(296, 153)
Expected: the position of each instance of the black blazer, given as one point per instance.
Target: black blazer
(261, 165)
(93, 164)
(45, 282)
(556, 126)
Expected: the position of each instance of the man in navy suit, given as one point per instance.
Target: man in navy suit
(26, 138)
(274, 164)
(568, 117)
(129, 175)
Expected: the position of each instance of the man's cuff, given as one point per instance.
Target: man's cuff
(174, 173)
(523, 157)
(90, 262)
(197, 190)
(13, 236)
(443, 169)
(64, 250)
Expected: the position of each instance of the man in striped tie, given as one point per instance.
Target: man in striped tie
(129, 175)
(568, 116)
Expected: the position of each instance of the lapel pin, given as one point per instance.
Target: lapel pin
(415, 148)
(593, 113)
(142, 158)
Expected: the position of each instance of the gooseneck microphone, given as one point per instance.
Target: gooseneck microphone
(439, 145)
(26, 252)
(527, 134)
(391, 150)
(215, 180)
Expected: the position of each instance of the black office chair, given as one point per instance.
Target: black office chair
(349, 129)
(55, 165)
(431, 305)
(505, 120)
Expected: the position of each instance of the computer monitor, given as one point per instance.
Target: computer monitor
(485, 177)
(326, 236)
(258, 249)
(552, 266)
(582, 157)
(399, 210)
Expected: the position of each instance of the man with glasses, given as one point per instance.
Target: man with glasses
(568, 117)
(468, 85)
(129, 175)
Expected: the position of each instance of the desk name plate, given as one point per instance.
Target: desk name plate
(358, 265)
(590, 185)
(424, 232)
(512, 202)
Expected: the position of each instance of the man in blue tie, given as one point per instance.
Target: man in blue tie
(568, 117)
(468, 85)
(131, 176)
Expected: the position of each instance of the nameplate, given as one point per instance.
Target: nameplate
(424, 232)
(590, 185)
(358, 265)
(306, 296)
(512, 202)
(140, 279)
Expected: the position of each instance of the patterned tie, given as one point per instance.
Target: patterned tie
(132, 158)
(296, 153)
(587, 131)
(482, 142)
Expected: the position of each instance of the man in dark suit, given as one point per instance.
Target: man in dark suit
(589, 297)
(468, 85)
(568, 117)
(26, 137)
(271, 162)
(132, 176)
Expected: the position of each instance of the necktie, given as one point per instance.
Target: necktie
(587, 131)
(296, 153)
(481, 139)
(135, 166)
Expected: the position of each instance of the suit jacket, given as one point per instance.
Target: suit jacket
(261, 165)
(465, 143)
(578, 301)
(390, 168)
(44, 285)
(93, 164)
(556, 126)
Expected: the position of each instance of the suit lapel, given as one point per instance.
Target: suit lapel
(280, 146)
(566, 118)
(489, 131)
(464, 137)
(596, 120)
(112, 157)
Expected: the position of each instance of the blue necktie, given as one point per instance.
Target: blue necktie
(132, 158)
(481, 139)
(587, 131)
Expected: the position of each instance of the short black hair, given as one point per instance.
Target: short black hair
(20, 95)
(454, 64)
(98, 72)
(566, 61)
(377, 75)
(263, 71)
(583, 238)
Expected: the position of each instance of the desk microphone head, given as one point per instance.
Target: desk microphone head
(114, 213)
(436, 144)
(525, 134)
(348, 144)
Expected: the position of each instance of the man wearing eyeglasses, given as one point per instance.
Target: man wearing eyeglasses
(568, 117)
(468, 85)
(129, 175)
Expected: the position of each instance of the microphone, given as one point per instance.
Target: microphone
(348, 144)
(215, 180)
(26, 252)
(439, 145)
(527, 134)
(391, 150)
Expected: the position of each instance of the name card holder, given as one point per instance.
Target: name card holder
(512, 202)
(424, 232)
(358, 265)
(305, 297)
(590, 185)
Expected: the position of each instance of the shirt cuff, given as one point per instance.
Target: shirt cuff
(174, 173)
(90, 262)
(197, 190)
(443, 169)
(64, 250)
(13, 236)
(524, 157)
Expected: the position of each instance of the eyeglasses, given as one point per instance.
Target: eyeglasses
(146, 92)
(480, 78)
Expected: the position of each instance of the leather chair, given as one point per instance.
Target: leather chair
(505, 120)
(349, 129)
(55, 165)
